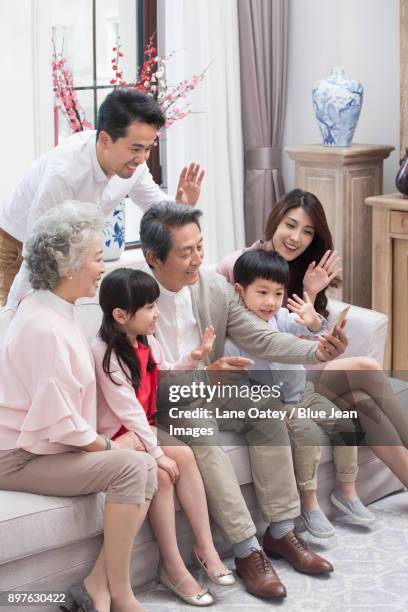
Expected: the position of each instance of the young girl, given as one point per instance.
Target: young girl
(127, 360)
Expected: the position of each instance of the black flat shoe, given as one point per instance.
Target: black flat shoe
(78, 599)
(69, 606)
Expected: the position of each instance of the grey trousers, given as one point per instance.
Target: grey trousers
(127, 476)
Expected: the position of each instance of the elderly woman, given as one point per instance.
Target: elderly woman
(48, 439)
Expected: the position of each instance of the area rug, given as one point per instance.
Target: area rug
(371, 572)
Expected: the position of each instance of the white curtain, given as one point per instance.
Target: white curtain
(203, 32)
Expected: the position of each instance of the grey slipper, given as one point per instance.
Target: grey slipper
(355, 508)
(317, 523)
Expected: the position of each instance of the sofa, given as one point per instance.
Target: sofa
(50, 543)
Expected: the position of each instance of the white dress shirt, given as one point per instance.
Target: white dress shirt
(70, 171)
(177, 329)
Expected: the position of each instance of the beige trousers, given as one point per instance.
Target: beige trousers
(271, 462)
(306, 435)
(127, 476)
(10, 263)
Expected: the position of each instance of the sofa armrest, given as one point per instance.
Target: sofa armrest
(366, 330)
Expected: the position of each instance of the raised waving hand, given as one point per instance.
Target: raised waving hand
(306, 314)
(318, 277)
(189, 185)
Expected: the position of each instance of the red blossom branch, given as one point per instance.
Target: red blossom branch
(152, 81)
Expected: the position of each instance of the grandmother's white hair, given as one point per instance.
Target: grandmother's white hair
(59, 240)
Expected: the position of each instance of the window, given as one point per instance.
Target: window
(85, 31)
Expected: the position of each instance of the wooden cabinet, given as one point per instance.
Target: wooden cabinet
(342, 177)
(390, 274)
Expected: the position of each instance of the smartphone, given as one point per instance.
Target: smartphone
(340, 318)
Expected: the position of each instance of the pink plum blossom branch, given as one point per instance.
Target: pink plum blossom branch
(65, 94)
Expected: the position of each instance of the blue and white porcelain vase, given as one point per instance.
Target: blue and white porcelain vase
(114, 233)
(337, 104)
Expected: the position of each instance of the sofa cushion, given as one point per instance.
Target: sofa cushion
(365, 329)
(30, 524)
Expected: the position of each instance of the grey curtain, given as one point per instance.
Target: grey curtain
(263, 39)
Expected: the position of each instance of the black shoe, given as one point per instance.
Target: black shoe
(78, 598)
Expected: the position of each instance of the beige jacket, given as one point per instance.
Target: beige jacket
(216, 303)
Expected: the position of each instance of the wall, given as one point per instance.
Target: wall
(16, 101)
(363, 37)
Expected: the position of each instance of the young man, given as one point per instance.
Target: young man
(189, 301)
(102, 166)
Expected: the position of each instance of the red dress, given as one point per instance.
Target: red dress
(146, 391)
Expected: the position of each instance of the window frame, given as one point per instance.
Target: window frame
(147, 18)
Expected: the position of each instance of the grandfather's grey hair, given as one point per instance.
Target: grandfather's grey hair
(59, 240)
(156, 223)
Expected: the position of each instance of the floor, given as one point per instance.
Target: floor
(371, 572)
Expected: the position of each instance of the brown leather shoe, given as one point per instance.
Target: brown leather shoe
(259, 577)
(297, 552)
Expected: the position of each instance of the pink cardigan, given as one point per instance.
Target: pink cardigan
(48, 388)
(118, 404)
(226, 265)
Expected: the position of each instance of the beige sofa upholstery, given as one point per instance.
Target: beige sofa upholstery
(49, 543)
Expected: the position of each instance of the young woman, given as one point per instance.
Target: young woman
(127, 360)
(297, 228)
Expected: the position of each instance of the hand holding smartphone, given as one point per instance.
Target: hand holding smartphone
(340, 318)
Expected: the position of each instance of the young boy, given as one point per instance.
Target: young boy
(261, 279)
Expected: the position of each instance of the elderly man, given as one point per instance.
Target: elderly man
(102, 166)
(189, 301)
